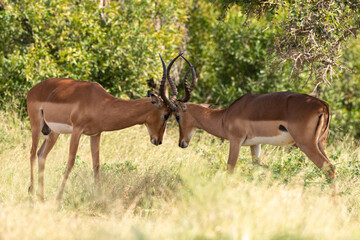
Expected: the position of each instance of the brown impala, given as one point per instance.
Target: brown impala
(279, 118)
(67, 106)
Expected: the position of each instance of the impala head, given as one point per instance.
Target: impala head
(186, 125)
(163, 107)
(183, 117)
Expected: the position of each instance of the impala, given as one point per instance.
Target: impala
(279, 119)
(66, 106)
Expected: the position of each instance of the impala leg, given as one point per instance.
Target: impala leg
(255, 153)
(314, 145)
(321, 146)
(233, 154)
(35, 135)
(319, 159)
(74, 144)
(95, 149)
(46, 147)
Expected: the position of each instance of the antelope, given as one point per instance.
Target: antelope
(279, 118)
(66, 106)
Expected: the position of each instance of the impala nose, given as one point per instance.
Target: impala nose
(183, 144)
(160, 142)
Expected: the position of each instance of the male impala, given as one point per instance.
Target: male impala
(279, 118)
(61, 105)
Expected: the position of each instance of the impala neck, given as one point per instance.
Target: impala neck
(119, 114)
(210, 120)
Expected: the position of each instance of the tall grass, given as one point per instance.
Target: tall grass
(165, 192)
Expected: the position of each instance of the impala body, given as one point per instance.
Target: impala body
(280, 118)
(66, 106)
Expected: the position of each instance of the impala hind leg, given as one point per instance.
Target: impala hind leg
(95, 149)
(74, 144)
(46, 147)
(255, 153)
(319, 159)
(35, 135)
(311, 140)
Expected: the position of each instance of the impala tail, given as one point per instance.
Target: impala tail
(45, 129)
(323, 131)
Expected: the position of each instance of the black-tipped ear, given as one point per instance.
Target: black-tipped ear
(158, 103)
(183, 106)
(150, 93)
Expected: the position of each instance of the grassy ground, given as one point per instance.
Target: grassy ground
(165, 192)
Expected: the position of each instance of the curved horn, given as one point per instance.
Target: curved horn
(188, 90)
(171, 82)
(167, 102)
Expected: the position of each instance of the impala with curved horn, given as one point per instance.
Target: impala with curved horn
(279, 118)
(66, 106)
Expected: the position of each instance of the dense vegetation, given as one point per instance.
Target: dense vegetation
(309, 34)
(118, 46)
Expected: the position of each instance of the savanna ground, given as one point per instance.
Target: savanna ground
(165, 192)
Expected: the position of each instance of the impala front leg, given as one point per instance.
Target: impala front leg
(95, 149)
(233, 154)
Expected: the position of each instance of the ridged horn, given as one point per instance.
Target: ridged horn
(167, 102)
(188, 90)
(171, 82)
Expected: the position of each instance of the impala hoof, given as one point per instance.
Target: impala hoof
(155, 142)
(31, 190)
(183, 144)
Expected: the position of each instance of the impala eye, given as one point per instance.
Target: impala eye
(166, 116)
(177, 118)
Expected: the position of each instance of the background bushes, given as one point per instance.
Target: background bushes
(118, 47)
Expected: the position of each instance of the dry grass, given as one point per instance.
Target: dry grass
(166, 192)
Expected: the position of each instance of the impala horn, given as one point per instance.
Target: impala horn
(188, 90)
(166, 76)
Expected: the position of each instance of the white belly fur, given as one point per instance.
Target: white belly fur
(60, 127)
(280, 140)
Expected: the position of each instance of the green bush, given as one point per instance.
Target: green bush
(234, 59)
(118, 47)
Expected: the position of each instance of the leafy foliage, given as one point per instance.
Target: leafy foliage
(310, 34)
(118, 46)
(234, 60)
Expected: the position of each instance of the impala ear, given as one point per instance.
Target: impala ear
(183, 106)
(150, 93)
(158, 103)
